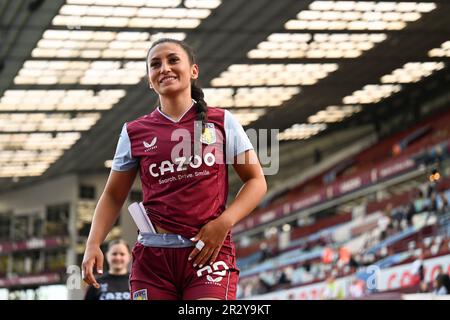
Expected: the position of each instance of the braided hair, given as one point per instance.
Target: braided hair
(196, 92)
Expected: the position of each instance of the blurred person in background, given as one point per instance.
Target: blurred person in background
(332, 290)
(443, 205)
(356, 289)
(410, 212)
(385, 222)
(439, 287)
(417, 271)
(420, 201)
(114, 284)
(441, 282)
(424, 287)
(398, 215)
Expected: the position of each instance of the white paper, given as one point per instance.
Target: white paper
(140, 217)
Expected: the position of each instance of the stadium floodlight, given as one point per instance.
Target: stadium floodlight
(371, 94)
(412, 72)
(98, 44)
(301, 131)
(320, 45)
(210, 4)
(26, 122)
(25, 100)
(442, 51)
(358, 15)
(408, 73)
(247, 97)
(29, 156)
(38, 141)
(108, 163)
(334, 114)
(273, 74)
(247, 116)
(153, 14)
(83, 72)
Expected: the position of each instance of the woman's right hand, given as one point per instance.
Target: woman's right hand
(93, 256)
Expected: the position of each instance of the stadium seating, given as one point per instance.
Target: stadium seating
(268, 267)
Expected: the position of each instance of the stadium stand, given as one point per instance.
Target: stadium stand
(391, 230)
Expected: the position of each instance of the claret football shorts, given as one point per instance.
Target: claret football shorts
(164, 272)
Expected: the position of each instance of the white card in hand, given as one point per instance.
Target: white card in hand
(140, 217)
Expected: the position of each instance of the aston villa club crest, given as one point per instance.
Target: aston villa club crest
(209, 134)
(140, 295)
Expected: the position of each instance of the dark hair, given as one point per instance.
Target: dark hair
(118, 241)
(196, 92)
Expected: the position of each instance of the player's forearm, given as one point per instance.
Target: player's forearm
(246, 200)
(106, 214)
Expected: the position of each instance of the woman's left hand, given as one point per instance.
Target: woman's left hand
(213, 235)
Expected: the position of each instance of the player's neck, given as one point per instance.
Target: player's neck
(175, 106)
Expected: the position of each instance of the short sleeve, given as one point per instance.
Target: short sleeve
(123, 160)
(237, 140)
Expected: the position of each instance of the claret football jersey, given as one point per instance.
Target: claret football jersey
(183, 169)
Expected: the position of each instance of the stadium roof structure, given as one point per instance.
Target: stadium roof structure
(72, 72)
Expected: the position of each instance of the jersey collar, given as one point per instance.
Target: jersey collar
(158, 108)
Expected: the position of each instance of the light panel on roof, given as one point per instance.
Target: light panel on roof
(273, 74)
(108, 163)
(145, 12)
(23, 170)
(28, 122)
(442, 51)
(301, 131)
(150, 14)
(358, 15)
(210, 4)
(47, 100)
(219, 97)
(22, 156)
(319, 45)
(38, 141)
(247, 116)
(372, 93)
(408, 73)
(98, 44)
(334, 114)
(249, 97)
(31, 154)
(83, 72)
(22, 163)
(412, 72)
(121, 22)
